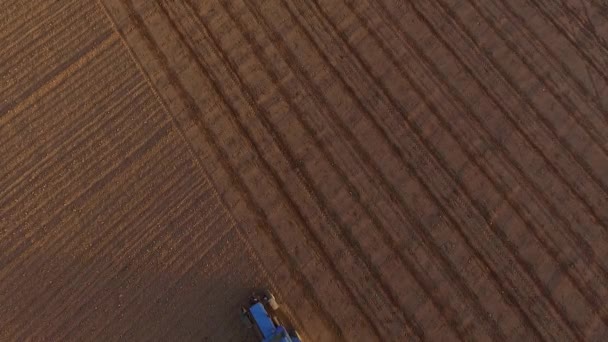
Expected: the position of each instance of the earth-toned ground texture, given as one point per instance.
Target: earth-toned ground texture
(394, 170)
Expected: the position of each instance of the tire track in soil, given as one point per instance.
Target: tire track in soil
(540, 239)
(236, 78)
(598, 219)
(296, 70)
(579, 46)
(481, 209)
(269, 282)
(318, 98)
(211, 139)
(561, 68)
(288, 155)
(454, 223)
(574, 236)
(501, 188)
(410, 42)
(583, 291)
(387, 138)
(538, 113)
(486, 92)
(602, 8)
(362, 156)
(591, 296)
(548, 126)
(354, 192)
(277, 41)
(514, 121)
(235, 172)
(588, 94)
(307, 183)
(588, 25)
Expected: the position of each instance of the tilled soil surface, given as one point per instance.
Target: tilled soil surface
(393, 170)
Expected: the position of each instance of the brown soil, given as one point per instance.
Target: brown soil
(393, 170)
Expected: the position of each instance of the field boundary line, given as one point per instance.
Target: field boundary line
(312, 235)
(261, 113)
(249, 248)
(302, 77)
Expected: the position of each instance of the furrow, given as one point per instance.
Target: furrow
(582, 47)
(505, 243)
(92, 188)
(211, 138)
(32, 32)
(60, 244)
(65, 136)
(61, 176)
(185, 265)
(60, 71)
(578, 240)
(268, 280)
(289, 156)
(551, 130)
(136, 243)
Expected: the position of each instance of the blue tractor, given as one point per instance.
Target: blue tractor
(262, 314)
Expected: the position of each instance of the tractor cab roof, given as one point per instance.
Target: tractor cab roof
(262, 320)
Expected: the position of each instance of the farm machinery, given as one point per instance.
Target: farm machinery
(263, 315)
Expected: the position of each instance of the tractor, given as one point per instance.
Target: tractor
(262, 314)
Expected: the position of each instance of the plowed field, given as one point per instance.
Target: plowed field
(393, 170)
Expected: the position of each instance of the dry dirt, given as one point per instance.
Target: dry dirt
(394, 170)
